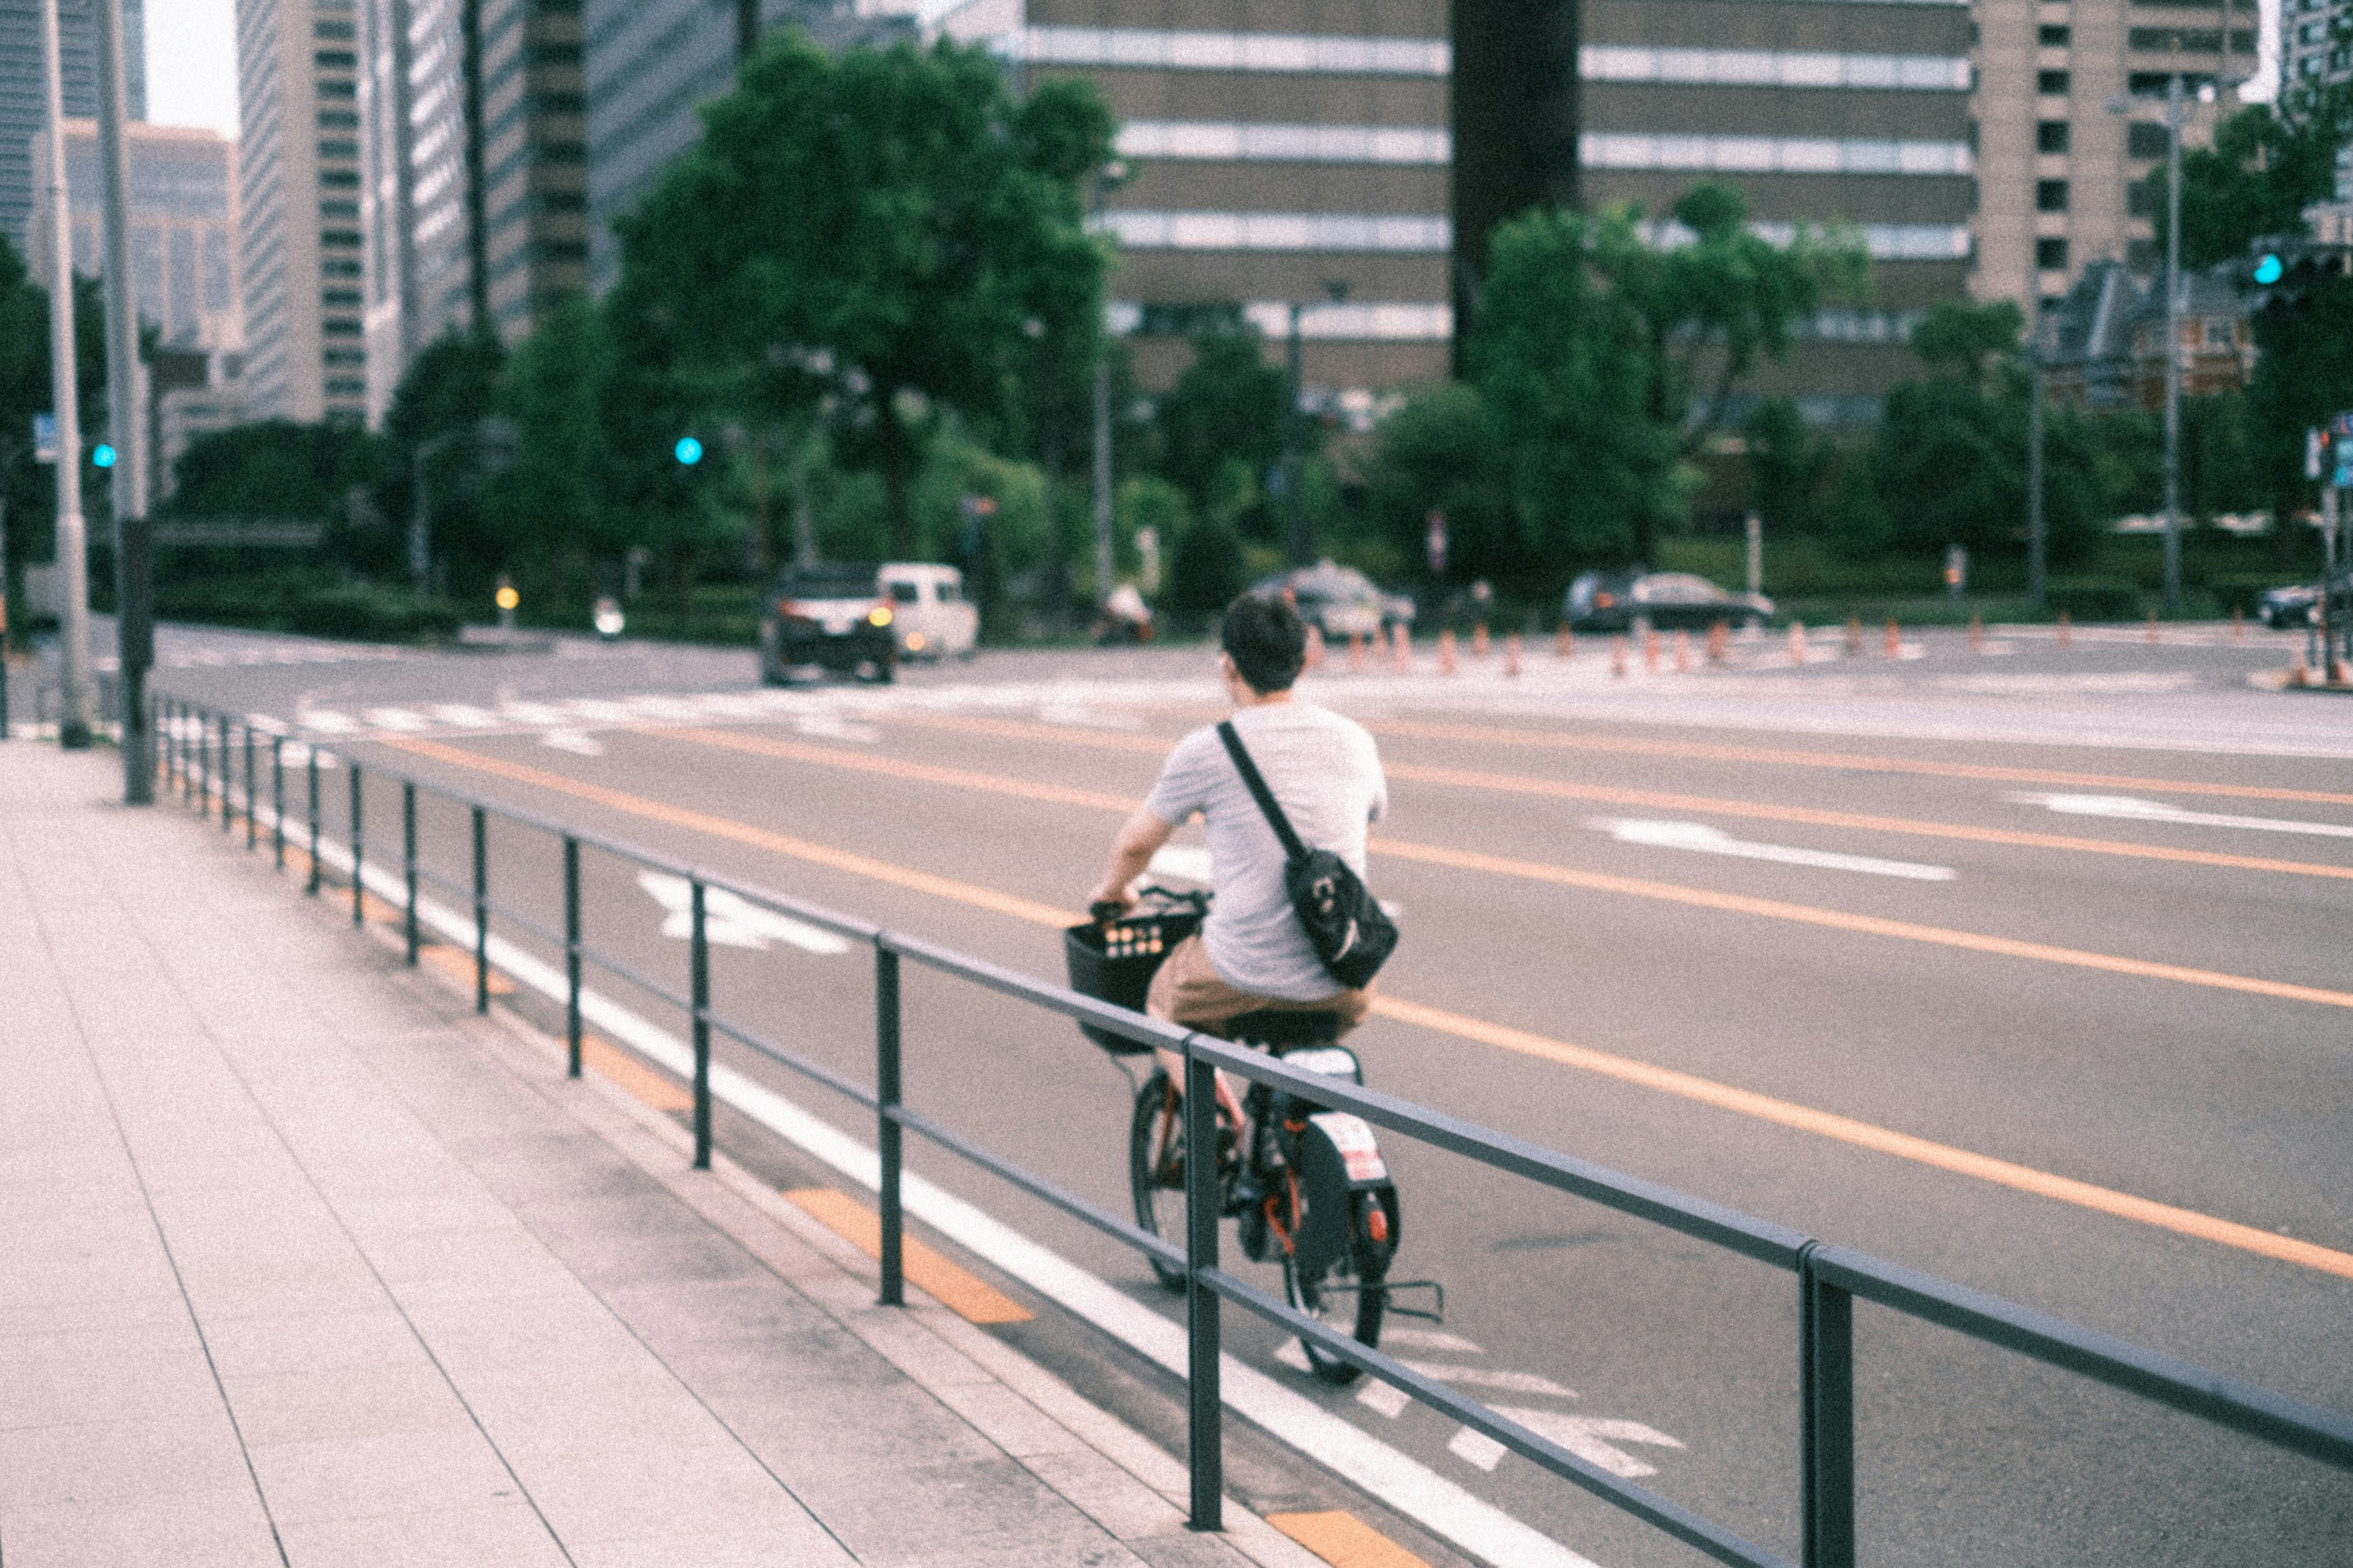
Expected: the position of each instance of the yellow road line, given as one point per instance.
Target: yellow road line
(959, 1290)
(1667, 1080)
(894, 767)
(1654, 800)
(1864, 1135)
(1851, 761)
(740, 833)
(609, 1060)
(1344, 1541)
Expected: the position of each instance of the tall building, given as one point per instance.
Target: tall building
(2071, 129)
(24, 97)
(476, 165)
(184, 232)
(297, 97)
(2310, 49)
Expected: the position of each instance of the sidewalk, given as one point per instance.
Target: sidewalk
(307, 1265)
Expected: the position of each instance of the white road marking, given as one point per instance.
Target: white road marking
(827, 727)
(1430, 1339)
(1705, 840)
(732, 921)
(1469, 1522)
(1387, 1398)
(1476, 1448)
(1081, 718)
(2130, 809)
(1584, 1437)
(465, 715)
(1488, 1377)
(572, 740)
(400, 719)
(326, 720)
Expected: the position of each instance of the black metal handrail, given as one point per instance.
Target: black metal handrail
(1829, 1277)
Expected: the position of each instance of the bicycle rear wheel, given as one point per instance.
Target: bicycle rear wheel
(1347, 1295)
(1155, 1168)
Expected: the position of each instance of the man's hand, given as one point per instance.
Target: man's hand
(1109, 904)
(1140, 837)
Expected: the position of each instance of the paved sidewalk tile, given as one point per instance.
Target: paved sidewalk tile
(308, 1266)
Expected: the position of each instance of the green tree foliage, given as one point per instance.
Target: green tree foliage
(271, 469)
(1229, 411)
(2268, 163)
(1440, 452)
(1789, 466)
(890, 229)
(28, 490)
(548, 516)
(1206, 570)
(448, 390)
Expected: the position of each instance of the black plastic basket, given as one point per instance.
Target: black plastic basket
(1115, 963)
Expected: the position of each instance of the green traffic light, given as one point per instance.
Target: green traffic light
(2269, 269)
(689, 450)
(102, 455)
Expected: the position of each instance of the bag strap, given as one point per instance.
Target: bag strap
(1264, 795)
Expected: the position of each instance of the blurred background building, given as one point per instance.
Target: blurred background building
(23, 100)
(183, 228)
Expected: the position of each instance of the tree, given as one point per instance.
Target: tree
(1968, 341)
(1228, 408)
(889, 227)
(1789, 466)
(28, 489)
(549, 516)
(443, 396)
(1440, 452)
(2268, 163)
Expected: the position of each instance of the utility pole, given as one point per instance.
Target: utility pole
(2173, 345)
(1104, 563)
(2037, 539)
(126, 404)
(1294, 500)
(73, 552)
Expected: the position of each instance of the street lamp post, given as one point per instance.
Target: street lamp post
(2173, 346)
(135, 576)
(1301, 543)
(72, 550)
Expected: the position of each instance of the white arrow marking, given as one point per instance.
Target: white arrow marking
(732, 921)
(572, 740)
(1583, 1435)
(1706, 840)
(2132, 810)
(1488, 1377)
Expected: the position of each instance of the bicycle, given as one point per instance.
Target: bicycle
(1306, 1185)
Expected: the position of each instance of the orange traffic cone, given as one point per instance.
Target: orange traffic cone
(1683, 652)
(1446, 651)
(1511, 654)
(2152, 628)
(1719, 643)
(1650, 652)
(1356, 650)
(1479, 640)
(1977, 633)
(1894, 639)
(1401, 648)
(1564, 642)
(2065, 628)
(1797, 642)
(1854, 636)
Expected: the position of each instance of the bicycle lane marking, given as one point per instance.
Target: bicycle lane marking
(1667, 1080)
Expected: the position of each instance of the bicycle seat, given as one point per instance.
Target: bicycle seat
(1273, 1027)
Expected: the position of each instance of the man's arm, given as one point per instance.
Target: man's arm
(1140, 837)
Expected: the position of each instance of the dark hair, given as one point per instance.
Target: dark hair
(1267, 641)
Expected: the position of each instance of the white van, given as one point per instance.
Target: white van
(929, 614)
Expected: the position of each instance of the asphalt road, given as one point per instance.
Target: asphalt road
(2079, 911)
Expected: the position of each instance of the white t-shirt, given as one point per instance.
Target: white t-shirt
(1326, 775)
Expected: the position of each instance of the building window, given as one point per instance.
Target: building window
(2141, 195)
(340, 298)
(340, 327)
(338, 149)
(339, 239)
(338, 120)
(2140, 256)
(344, 356)
(343, 386)
(2050, 255)
(2054, 38)
(334, 31)
(2152, 84)
(2145, 138)
(340, 179)
(2050, 195)
(340, 209)
(338, 89)
(2050, 84)
(336, 61)
(2051, 136)
(333, 267)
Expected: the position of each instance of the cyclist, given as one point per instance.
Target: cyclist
(1323, 770)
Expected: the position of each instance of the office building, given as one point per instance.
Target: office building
(2310, 51)
(184, 231)
(299, 232)
(2071, 134)
(23, 95)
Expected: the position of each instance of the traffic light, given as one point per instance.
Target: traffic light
(2281, 269)
(689, 451)
(102, 455)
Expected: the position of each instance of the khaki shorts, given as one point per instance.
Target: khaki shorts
(1187, 991)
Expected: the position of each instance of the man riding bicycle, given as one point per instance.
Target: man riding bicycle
(1251, 954)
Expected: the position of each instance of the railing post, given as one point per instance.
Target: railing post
(359, 835)
(698, 960)
(277, 798)
(481, 911)
(203, 793)
(572, 952)
(1826, 1412)
(887, 1130)
(311, 761)
(228, 777)
(252, 796)
(1202, 1201)
(408, 865)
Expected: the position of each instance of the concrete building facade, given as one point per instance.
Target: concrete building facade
(24, 98)
(2071, 135)
(183, 228)
(299, 224)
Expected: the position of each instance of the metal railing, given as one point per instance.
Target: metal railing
(198, 758)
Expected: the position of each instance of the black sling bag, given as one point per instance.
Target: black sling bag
(1345, 924)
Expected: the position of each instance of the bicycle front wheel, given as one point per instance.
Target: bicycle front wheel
(1348, 1296)
(1155, 1169)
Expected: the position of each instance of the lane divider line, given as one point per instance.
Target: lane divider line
(1441, 1506)
(1850, 761)
(1344, 1541)
(960, 1290)
(1427, 854)
(2187, 1222)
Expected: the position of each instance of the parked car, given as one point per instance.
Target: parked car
(2298, 603)
(1615, 600)
(929, 614)
(1339, 600)
(833, 617)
